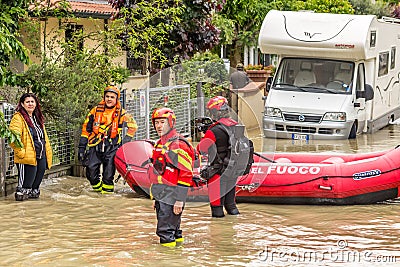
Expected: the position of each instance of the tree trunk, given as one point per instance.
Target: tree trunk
(235, 55)
(144, 66)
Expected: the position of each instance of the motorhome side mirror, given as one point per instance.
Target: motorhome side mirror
(369, 92)
(269, 83)
(360, 94)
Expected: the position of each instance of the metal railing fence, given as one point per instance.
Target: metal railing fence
(62, 143)
(141, 105)
(144, 101)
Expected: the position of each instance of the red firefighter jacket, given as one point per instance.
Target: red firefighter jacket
(173, 161)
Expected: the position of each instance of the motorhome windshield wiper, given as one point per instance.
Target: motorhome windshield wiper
(332, 91)
(290, 85)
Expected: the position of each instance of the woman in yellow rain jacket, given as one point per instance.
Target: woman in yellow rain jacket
(35, 155)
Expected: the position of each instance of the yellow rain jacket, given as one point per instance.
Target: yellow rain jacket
(27, 154)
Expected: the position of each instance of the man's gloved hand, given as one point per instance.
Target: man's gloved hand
(81, 153)
(126, 139)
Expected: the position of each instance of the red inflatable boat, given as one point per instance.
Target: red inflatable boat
(289, 178)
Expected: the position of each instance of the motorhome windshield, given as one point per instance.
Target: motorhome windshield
(314, 75)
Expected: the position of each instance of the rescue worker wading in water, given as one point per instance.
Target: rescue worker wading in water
(215, 143)
(101, 132)
(172, 160)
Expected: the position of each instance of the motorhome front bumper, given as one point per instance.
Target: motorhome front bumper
(278, 128)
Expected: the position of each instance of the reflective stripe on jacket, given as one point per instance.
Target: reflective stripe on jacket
(179, 158)
(88, 137)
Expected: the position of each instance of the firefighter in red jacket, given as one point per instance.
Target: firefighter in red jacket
(215, 144)
(171, 177)
(102, 133)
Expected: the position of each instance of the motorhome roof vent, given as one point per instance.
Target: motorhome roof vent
(390, 19)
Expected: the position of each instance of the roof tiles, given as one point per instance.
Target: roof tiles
(86, 6)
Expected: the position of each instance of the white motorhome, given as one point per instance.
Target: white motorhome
(337, 76)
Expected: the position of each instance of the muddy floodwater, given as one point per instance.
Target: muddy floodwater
(72, 226)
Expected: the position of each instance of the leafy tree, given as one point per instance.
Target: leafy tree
(324, 6)
(379, 8)
(69, 80)
(144, 28)
(162, 32)
(196, 33)
(7, 133)
(240, 20)
(67, 91)
(206, 68)
(390, 2)
(10, 48)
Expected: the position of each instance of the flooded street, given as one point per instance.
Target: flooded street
(386, 138)
(72, 226)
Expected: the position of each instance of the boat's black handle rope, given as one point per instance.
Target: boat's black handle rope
(263, 157)
(325, 177)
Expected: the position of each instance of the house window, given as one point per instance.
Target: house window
(134, 64)
(74, 38)
(383, 64)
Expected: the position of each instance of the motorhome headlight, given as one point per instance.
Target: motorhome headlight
(335, 116)
(273, 112)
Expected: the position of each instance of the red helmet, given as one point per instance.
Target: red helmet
(167, 113)
(218, 103)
